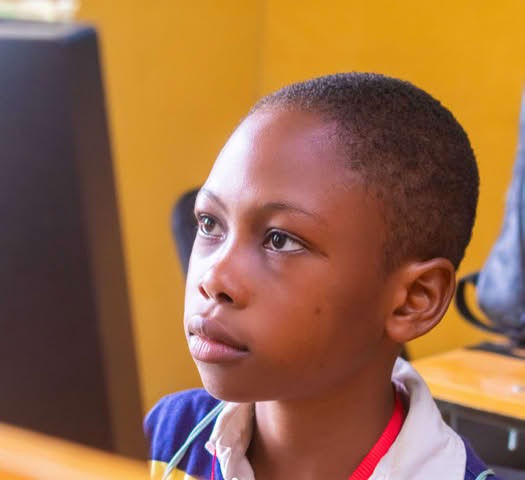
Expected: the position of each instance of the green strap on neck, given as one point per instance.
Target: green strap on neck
(485, 474)
(194, 433)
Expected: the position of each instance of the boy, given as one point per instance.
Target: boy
(329, 232)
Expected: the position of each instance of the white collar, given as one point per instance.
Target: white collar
(230, 439)
(426, 447)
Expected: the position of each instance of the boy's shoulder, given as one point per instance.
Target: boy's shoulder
(170, 422)
(172, 419)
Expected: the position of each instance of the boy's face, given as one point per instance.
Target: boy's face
(286, 295)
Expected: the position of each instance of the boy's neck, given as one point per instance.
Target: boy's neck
(321, 437)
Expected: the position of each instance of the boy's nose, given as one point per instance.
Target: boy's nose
(223, 284)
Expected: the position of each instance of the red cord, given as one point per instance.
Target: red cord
(213, 465)
(369, 463)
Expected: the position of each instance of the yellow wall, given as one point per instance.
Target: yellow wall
(180, 74)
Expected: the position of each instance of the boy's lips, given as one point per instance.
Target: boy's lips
(210, 342)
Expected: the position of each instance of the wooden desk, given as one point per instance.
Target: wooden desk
(26, 455)
(484, 381)
(480, 386)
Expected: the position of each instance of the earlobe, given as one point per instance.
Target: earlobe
(422, 294)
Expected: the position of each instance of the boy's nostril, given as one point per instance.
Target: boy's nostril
(220, 297)
(225, 298)
(203, 292)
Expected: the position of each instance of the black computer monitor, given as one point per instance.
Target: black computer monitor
(67, 361)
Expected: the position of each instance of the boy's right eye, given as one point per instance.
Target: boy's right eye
(208, 226)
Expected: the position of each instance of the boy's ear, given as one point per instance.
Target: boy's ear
(421, 297)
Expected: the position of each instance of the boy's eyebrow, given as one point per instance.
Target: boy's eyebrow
(214, 197)
(295, 209)
(268, 206)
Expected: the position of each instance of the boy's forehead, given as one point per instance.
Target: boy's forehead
(279, 128)
(274, 148)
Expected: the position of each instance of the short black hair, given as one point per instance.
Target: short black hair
(409, 148)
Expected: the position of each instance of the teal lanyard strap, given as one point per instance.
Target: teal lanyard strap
(485, 474)
(194, 433)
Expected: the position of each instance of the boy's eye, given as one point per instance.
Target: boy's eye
(279, 241)
(208, 226)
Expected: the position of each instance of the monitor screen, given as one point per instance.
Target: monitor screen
(67, 359)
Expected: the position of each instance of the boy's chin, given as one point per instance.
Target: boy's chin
(229, 391)
(230, 387)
